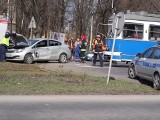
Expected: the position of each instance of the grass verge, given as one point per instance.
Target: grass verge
(23, 79)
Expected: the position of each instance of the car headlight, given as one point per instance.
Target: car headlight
(19, 50)
(90, 55)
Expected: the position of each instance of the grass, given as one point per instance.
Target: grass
(24, 79)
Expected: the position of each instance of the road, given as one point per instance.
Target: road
(79, 107)
(119, 71)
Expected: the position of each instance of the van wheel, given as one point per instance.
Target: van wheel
(63, 58)
(156, 81)
(28, 59)
(131, 72)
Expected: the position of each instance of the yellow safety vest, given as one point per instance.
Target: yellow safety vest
(5, 41)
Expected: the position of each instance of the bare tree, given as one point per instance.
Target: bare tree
(138, 5)
(3, 7)
(51, 14)
(82, 15)
(104, 11)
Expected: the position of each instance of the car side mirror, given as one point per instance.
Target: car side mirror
(139, 55)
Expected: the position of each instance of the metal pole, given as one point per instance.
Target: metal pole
(8, 10)
(116, 29)
(31, 33)
(113, 6)
(31, 30)
(11, 17)
(68, 33)
(91, 34)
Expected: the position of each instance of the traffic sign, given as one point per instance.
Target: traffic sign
(32, 23)
(120, 19)
(117, 27)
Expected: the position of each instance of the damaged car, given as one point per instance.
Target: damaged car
(38, 49)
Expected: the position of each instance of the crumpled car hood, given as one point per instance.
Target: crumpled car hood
(18, 43)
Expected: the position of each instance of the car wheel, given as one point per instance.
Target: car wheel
(63, 58)
(156, 81)
(28, 59)
(131, 72)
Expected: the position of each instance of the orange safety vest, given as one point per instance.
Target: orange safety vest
(98, 47)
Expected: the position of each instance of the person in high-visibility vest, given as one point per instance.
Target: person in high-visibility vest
(4, 43)
(98, 48)
(3, 46)
(83, 48)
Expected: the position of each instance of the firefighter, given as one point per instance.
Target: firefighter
(83, 48)
(98, 48)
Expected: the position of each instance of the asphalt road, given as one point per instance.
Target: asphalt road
(79, 108)
(119, 71)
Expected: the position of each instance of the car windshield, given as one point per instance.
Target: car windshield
(31, 42)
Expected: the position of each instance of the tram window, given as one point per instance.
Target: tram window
(132, 30)
(154, 32)
(110, 33)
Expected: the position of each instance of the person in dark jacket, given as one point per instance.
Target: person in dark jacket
(98, 48)
(83, 48)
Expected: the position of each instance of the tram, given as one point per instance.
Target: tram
(141, 30)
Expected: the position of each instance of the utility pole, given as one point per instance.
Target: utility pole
(91, 34)
(11, 16)
(113, 12)
(8, 9)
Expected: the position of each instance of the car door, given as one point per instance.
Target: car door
(143, 63)
(55, 47)
(42, 50)
(155, 62)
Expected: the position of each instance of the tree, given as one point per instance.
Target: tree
(49, 15)
(82, 15)
(53, 15)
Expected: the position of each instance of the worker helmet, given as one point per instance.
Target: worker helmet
(7, 35)
(83, 37)
(98, 36)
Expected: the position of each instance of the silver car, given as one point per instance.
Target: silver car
(147, 66)
(39, 49)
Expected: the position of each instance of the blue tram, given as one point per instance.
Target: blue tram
(141, 30)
